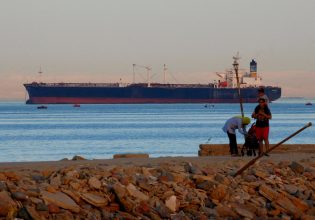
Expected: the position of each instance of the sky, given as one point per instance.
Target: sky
(99, 40)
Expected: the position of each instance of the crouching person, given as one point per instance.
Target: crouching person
(236, 122)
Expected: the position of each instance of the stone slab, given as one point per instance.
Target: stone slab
(223, 149)
(116, 156)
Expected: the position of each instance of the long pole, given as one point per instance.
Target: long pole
(270, 149)
(235, 64)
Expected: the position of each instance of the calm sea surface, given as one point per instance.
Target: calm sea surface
(99, 131)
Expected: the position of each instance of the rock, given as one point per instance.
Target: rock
(166, 177)
(286, 204)
(33, 193)
(32, 212)
(60, 199)
(3, 186)
(35, 200)
(107, 214)
(224, 211)
(46, 173)
(20, 196)
(260, 174)
(143, 208)
(171, 203)
(75, 185)
(55, 180)
(73, 174)
(191, 209)
(219, 193)
(77, 157)
(268, 193)
(296, 167)
(244, 212)
(7, 205)
(95, 200)
(116, 156)
(12, 176)
(301, 205)
(64, 159)
(66, 216)
(95, 183)
(206, 185)
(41, 207)
(114, 207)
(127, 203)
(38, 178)
(222, 179)
(51, 189)
(163, 211)
(3, 177)
(120, 191)
(292, 189)
(191, 168)
(73, 194)
(52, 208)
(307, 217)
(132, 190)
(23, 214)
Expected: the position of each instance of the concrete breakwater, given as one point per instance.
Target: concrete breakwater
(223, 149)
(163, 188)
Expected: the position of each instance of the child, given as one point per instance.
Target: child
(261, 94)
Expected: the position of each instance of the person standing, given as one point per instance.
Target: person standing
(262, 115)
(236, 122)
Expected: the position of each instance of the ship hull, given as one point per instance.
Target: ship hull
(54, 94)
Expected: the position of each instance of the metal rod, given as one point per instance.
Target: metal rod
(134, 74)
(240, 171)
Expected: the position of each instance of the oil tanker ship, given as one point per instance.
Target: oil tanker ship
(223, 90)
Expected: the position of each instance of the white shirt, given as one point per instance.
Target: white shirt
(232, 124)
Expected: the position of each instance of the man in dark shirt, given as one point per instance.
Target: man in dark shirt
(262, 115)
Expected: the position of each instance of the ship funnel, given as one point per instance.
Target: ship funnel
(253, 69)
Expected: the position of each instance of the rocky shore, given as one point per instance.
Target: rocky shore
(276, 187)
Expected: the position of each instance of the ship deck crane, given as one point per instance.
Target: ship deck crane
(148, 68)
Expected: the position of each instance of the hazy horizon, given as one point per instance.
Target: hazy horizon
(81, 41)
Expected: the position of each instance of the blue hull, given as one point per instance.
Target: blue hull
(99, 94)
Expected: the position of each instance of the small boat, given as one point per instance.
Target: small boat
(76, 105)
(308, 103)
(42, 107)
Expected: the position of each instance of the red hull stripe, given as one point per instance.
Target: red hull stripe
(74, 100)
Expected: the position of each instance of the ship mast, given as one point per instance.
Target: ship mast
(40, 73)
(148, 68)
(235, 65)
(134, 74)
(164, 72)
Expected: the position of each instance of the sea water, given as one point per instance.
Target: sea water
(99, 131)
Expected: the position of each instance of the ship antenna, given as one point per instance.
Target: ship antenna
(164, 71)
(235, 65)
(148, 68)
(40, 74)
(134, 74)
